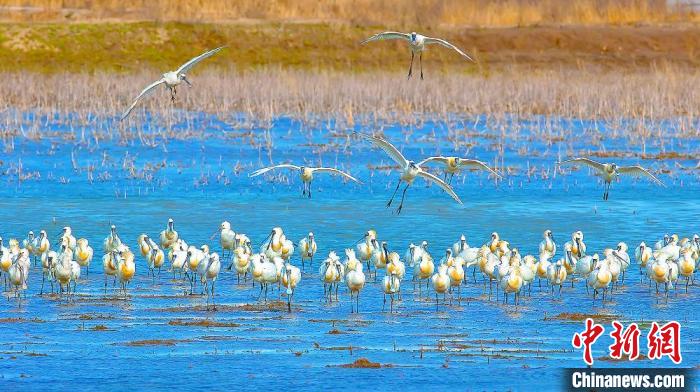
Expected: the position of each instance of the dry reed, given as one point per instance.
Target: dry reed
(487, 13)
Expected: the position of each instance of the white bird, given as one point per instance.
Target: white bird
(209, 274)
(306, 173)
(610, 171)
(241, 257)
(291, 276)
(409, 170)
(453, 165)
(169, 236)
(47, 263)
(355, 280)
(643, 254)
(391, 285)
(172, 79)
(307, 248)
(548, 244)
(416, 43)
(19, 272)
(112, 242)
(227, 239)
(83, 254)
(330, 273)
(460, 246)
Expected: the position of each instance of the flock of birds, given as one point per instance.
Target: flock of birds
(272, 266)
(410, 170)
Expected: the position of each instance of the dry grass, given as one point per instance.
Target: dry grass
(133, 47)
(265, 94)
(486, 13)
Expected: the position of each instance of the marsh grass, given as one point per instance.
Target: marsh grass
(485, 13)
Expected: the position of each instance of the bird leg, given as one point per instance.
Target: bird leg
(410, 69)
(403, 195)
(420, 59)
(393, 194)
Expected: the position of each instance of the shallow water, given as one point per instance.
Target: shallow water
(97, 341)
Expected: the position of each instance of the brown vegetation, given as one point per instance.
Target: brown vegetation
(486, 13)
(362, 363)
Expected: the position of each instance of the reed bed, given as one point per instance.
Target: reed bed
(656, 94)
(485, 13)
(579, 110)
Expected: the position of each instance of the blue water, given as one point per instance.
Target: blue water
(69, 178)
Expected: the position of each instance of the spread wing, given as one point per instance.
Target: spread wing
(387, 35)
(446, 44)
(433, 159)
(335, 171)
(639, 172)
(184, 68)
(389, 148)
(144, 93)
(588, 162)
(463, 162)
(442, 184)
(267, 169)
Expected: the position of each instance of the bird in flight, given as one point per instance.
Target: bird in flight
(453, 165)
(306, 174)
(610, 171)
(416, 43)
(172, 79)
(409, 170)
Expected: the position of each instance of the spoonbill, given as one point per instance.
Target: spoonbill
(610, 171)
(416, 43)
(83, 254)
(306, 173)
(291, 276)
(355, 280)
(409, 170)
(453, 165)
(307, 248)
(209, 275)
(172, 79)
(169, 236)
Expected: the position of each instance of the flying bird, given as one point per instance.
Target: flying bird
(453, 165)
(306, 174)
(610, 171)
(172, 79)
(409, 170)
(416, 43)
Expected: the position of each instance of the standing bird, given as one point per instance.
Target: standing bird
(19, 273)
(409, 170)
(241, 257)
(355, 280)
(172, 80)
(367, 248)
(453, 165)
(610, 171)
(169, 236)
(307, 248)
(391, 285)
(416, 43)
(227, 239)
(83, 254)
(441, 282)
(643, 254)
(548, 244)
(112, 242)
(291, 276)
(306, 174)
(126, 267)
(208, 276)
